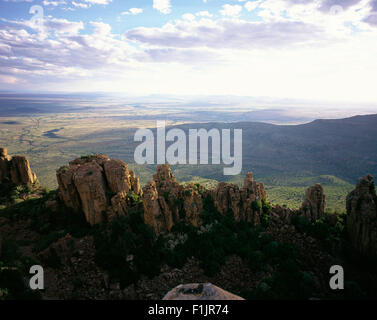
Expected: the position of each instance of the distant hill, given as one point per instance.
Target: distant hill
(287, 158)
(345, 148)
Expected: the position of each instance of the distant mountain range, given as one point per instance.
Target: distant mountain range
(345, 148)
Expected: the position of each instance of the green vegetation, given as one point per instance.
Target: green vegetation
(329, 233)
(129, 249)
(133, 198)
(292, 192)
(50, 225)
(287, 159)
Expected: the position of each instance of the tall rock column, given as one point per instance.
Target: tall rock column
(4, 165)
(362, 217)
(15, 169)
(313, 207)
(166, 202)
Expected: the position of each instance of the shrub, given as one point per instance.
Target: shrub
(128, 236)
(266, 207)
(256, 205)
(133, 198)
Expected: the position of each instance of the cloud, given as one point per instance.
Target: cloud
(371, 18)
(80, 5)
(164, 6)
(329, 5)
(61, 53)
(54, 3)
(104, 2)
(224, 33)
(294, 48)
(133, 11)
(231, 10)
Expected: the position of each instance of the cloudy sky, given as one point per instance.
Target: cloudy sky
(301, 49)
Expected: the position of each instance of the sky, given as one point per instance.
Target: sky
(296, 49)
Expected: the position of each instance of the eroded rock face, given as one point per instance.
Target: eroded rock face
(196, 291)
(15, 169)
(166, 202)
(313, 207)
(241, 202)
(153, 214)
(97, 186)
(362, 217)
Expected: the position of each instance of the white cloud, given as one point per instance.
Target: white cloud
(80, 5)
(104, 2)
(231, 10)
(133, 11)
(204, 14)
(164, 6)
(252, 5)
(297, 49)
(54, 3)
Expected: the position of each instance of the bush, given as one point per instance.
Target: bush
(266, 207)
(322, 230)
(133, 198)
(127, 249)
(256, 205)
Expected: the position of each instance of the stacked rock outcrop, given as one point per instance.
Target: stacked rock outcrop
(15, 169)
(313, 207)
(97, 186)
(166, 202)
(362, 217)
(101, 188)
(240, 201)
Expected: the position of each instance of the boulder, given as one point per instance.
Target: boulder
(196, 291)
(362, 217)
(313, 207)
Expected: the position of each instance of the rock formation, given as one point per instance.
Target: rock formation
(240, 201)
(15, 169)
(313, 207)
(206, 291)
(166, 202)
(362, 217)
(101, 188)
(97, 186)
